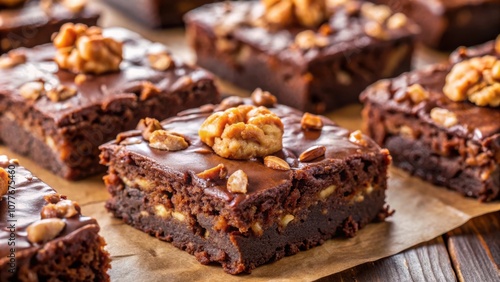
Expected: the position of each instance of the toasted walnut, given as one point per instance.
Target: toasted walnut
(476, 79)
(11, 3)
(148, 90)
(286, 219)
(377, 13)
(164, 140)
(357, 137)
(443, 117)
(62, 209)
(148, 126)
(257, 229)
(237, 182)
(276, 163)
(45, 230)
(217, 172)
(4, 182)
(311, 122)
(308, 39)
(397, 21)
(161, 61)
(243, 132)
(83, 49)
(61, 93)
(417, 93)
(32, 90)
(307, 13)
(312, 153)
(12, 59)
(263, 98)
(375, 30)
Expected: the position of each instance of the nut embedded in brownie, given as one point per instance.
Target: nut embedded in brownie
(59, 102)
(313, 55)
(441, 123)
(44, 236)
(30, 23)
(249, 184)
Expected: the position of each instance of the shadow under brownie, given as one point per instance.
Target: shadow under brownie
(63, 136)
(292, 200)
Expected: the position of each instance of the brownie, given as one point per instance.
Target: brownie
(324, 182)
(157, 13)
(29, 24)
(447, 141)
(448, 24)
(63, 136)
(312, 69)
(44, 236)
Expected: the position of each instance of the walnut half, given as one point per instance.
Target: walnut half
(83, 49)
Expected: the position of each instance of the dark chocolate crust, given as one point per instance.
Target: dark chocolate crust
(77, 254)
(314, 80)
(160, 192)
(64, 136)
(29, 25)
(157, 13)
(448, 24)
(463, 157)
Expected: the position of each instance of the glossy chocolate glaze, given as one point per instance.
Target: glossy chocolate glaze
(199, 157)
(29, 201)
(474, 122)
(32, 15)
(100, 92)
(348, 36)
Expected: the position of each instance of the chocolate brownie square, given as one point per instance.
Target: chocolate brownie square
(441, 123)
(448, 24)
(243, 185)
(31, 23)
(62, 103)
(313, 58)
(44, 235)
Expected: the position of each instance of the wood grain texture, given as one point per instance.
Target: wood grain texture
(475, 249)
(425, 262)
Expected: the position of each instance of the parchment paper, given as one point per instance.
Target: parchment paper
(423, 212)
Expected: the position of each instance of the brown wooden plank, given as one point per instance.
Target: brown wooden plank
(475, 249)
(426, 262)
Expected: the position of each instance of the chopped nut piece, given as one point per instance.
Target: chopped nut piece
(257, 229)
(12, 59)
(148, 126)
(325, 193)
(276, 163)
(310, 13)
(397, 21)
(375, 30)
(311, 122)
(62, 209)
(80, 79)
(161, 61)
(325, 29)
(279, 13)
(263, 98)
(45, 230)
(307, 13)
(81, 49)
(61, 93)
(443, 117)
(54, 198)
(312, 153)
(333, 4)
(357, 137)
(476, 79)
(229, 102)
(218, 172)
(74, 5)
(237, 182)
(308, 39)
(179, 216)
(32, 90)
(164, 140)
(148, 90)
(377, 13)
(343, 77)
(417, 93)
(286, 219)
(4, 182)
(161, 211)
(243, 132)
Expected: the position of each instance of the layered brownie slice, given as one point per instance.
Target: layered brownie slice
(441, 123)
(64, 100)
(448, 24)
(243, 185)
(44, 236)
(30, 23)
(314, 57)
